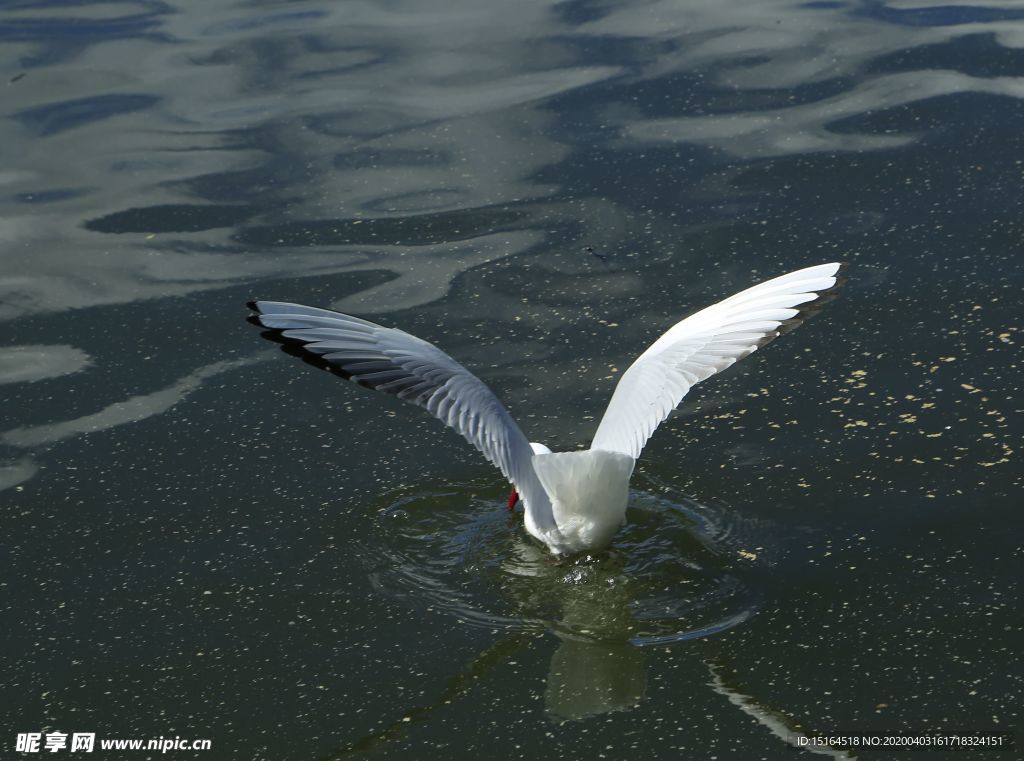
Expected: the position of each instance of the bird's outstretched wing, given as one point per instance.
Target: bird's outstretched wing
(700, 346)
(391, 360)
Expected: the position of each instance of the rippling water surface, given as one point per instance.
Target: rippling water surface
(672, 574)
(208, 539)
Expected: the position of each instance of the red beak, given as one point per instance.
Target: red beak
(512, 499)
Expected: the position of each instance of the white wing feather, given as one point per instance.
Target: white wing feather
(393, 361)
(697, 348)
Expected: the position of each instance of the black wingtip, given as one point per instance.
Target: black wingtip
(297, 349)
(291, 346)
(810, 309)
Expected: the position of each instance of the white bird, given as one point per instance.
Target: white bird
(573, 501)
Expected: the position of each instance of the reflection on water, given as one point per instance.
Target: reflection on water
(21, 364)
(17, 472)
(592, 678)
(241, 128)
(54, 361)
(130, 410)
(774, 720)
(350, 134)
(540, 186)
(817, 126)
(676, 572)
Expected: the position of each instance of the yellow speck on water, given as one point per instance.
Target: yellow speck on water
(747, 555)
(859, 373)
(933, 435)
(151, 236)
(948, 359)
(927, 405)
(969, 387)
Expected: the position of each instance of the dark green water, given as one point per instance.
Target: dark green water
(205, 538)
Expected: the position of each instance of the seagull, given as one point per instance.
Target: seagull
(573, 501)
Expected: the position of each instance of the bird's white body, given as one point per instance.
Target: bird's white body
(588, 491)
(573, 501)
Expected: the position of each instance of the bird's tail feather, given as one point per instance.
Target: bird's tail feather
(588, 491)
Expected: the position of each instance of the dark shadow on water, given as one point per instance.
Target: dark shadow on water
(172, 218)
(52, 118)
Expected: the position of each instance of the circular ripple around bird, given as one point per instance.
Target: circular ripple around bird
(678, 570)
